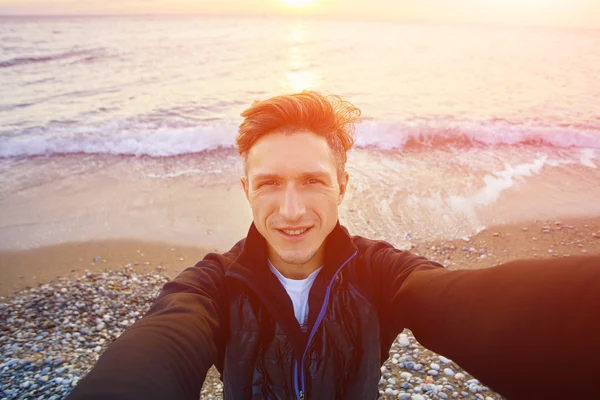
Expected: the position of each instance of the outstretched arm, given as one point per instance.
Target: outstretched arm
(167, 353)
(527, 329)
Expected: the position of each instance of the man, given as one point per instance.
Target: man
(301, 309)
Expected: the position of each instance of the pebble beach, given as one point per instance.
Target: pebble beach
(52, 332)
(477, 145)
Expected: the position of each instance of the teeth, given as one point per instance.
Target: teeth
(294, 232)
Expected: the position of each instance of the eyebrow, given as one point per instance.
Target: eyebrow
(309, 174)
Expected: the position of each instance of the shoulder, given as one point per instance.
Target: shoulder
(213, 266)
(382, 255)
(223, 260)
(366, 245)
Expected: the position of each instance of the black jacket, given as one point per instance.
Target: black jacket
(528, 329)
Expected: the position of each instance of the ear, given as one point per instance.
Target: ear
(244, 182)
(343, 186)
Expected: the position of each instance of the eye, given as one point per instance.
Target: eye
(313, 181)
(267, 183)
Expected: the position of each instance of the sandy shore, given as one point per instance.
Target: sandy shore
(30, 268)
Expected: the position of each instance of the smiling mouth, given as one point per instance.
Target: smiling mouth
(294, 232)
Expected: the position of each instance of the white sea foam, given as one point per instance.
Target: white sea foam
(587, 157)
(457, 211)
(191, 171)
(498, 181)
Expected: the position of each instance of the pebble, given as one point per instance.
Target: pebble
(444, 360)
(76, 318)
(459, 375)
(406, 375)
(432, 372)
(434, 366)
(448, 372)
(403, 340)
(417, 397)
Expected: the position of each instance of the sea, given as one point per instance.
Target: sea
(123, 127)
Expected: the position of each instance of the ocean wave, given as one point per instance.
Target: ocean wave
(86, 55)
(163, 139)
(121, 139)
(459, 134)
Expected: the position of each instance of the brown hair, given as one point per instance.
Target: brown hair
(327, 116)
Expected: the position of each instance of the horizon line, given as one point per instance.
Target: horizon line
(268, 15)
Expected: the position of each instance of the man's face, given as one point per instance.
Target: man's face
(292, 186)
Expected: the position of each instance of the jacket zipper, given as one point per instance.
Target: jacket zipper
(300, 391)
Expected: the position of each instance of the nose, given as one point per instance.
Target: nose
(292, 207)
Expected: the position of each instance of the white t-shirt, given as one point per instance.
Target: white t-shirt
(298, 290)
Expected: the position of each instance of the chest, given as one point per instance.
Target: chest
(264, 354)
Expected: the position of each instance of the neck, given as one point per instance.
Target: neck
(296, 271)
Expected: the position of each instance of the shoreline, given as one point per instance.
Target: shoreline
(21, 269)
(198, 200)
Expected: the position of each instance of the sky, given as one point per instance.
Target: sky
(569, 13)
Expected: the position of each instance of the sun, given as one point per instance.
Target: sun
(297, 3)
